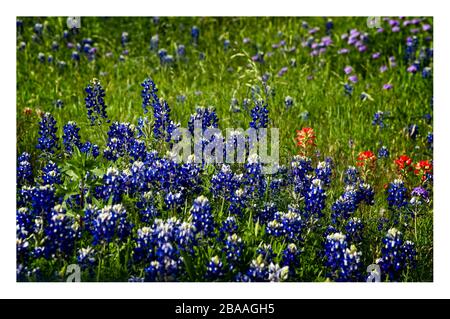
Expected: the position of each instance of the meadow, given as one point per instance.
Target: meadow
(98, 188)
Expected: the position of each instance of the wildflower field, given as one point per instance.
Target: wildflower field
(101, 191)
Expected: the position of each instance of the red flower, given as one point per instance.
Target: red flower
(423, 168)
(403, 163)
(366, 158)
(305, 137)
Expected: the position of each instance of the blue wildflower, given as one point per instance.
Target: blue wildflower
(51, 174)
(396, 255)
(397, 194)
(383, 152)
(343, 262)
(202, 217)
(95, 103)
(24, 169)
(214, 269)
(48, 141)
(315, 199)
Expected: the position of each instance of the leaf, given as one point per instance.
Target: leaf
(188, 263)
(237, 55)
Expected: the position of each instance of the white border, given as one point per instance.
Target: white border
(438, 289)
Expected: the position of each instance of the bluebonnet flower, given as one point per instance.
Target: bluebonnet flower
(86, 257)
(207, 117)
(24, 222)
(89, 148)
(163, 126)
(396, 255)
(351, 175)
(75, 56)
(289, 225)
(95, 103)
(214, 269)
(19, 25)
(22, 46)
(38, 27)
(254, 178)
(315, 199)
(229, 227)
(120, 138)
(226, 44)
(260, 115)
(383, 152)
(365, 193)
(238, 202)
(234, 105)
(413, 130)
(430, 140)
(61, 232)
(266, 251)
(42, 199)
(277, 273)
(397, 194)
(225, 182)
(185, 237)
(124, 38)
(258, 57)
(144, 242)
(288, 101)
(348, 89)
(51, 174)
(181, 50)
(162, 53)
(195, 33)
(202, 217)
(41, 57)
(173, 199)
(329, 26)
(279, 179)
(108, 224)
(48, 141)
(163, 269)
(323, 172)
(354, 229)
(258, 269)
(147, 210)
(291, 257)
(138, 150)
(154, 42)
(345, 205)
(378, 118)
(300, 168)
(168, 59)
(113, 186)
(136, 279)
(426, 72)
(71, 137)
(344, 262)
(24, 169)
(266, 213)
(233, 250)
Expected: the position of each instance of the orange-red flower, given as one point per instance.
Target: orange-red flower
(403, 163)
(366, 158)
(423, 168)
(305, 137)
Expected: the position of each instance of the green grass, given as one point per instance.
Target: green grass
(221, 76)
